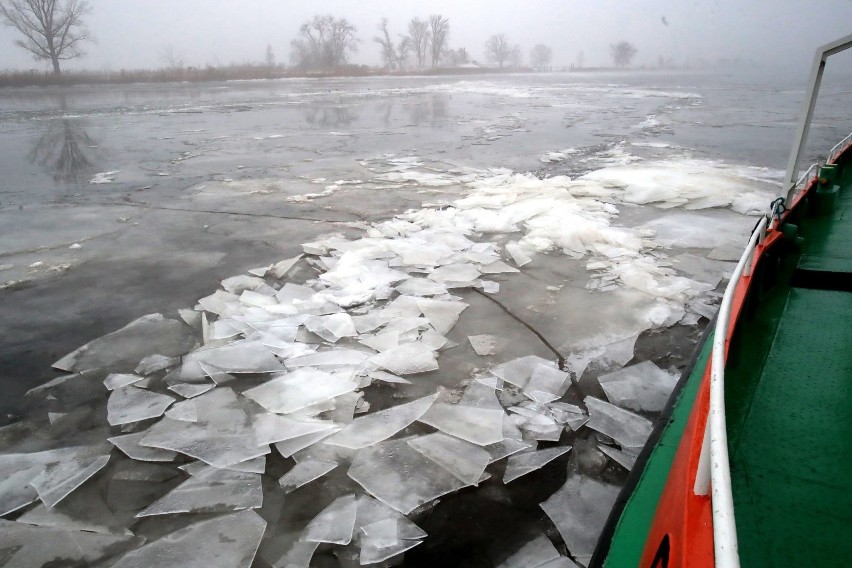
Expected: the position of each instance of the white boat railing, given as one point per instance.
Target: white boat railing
(714, 451)
(838, 148)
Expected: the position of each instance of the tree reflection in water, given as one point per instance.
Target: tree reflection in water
(65, 150)
(325, 116)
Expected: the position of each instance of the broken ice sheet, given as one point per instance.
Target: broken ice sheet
(190, 390)
(299, 389)
(623, 459)
(407, 359)
(24, 545)
(154, 363)
(127, 346)
(129, 445)
(455, 273)
(579, 510)
(518, 254)
(378, 426)
(334, 524)
(330, 358)
(270, 428)
(518, 371)
(527, 462)
(84, 509)
(442, 314)
(228, 540)
(421, 287)
(210, 491)
(627, 429)
(480, 426)
(117, 380)
(132, 404)
(642, 387)
(289, 447)
(222, 436)
(383, 532)
(464, 460)
(247, 356)
(304, 472)
(530, 549)
(60, 479)
(400, 476)
(483, 344)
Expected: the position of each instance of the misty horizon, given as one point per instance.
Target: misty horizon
(202, 33)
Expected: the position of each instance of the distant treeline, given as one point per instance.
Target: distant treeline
(230, 73)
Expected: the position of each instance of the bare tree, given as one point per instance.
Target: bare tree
(270, 56)
(581, 57)
(418, 38)
(516, 57)
(498, 49)
(172, 59)
(53, 29)
(323, 43)
(389, 54)
(439, 29)
(622, 53)
(540, 55)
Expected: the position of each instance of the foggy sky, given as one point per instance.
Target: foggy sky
(132, 34)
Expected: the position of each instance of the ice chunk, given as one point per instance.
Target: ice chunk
(483, 344)
(332, 327)
(127, 346)
(248, 356)
(335, 523)
(280, 269)
(382, 532)
(228, 540)
(270, 428)
(532, 553)
(442, 314)
(304, 472)
(464, 460)
(332, 358)
(421, 287)
(18, 470)
(129, 444)
(118, 380)
(518, 371)
(59, 479)
(84, 510)
(497, 267)
(132, 404)
(527, 462)
(623, 459)
(299, 389)
(480, 426)
(546, 384)
(579, 510)
(386, 377)
(506, 447)
(627, 429)
(184, 410)
(643, 387)
(156, 362)
(381, 425)
(191, 390)
(382, 342)
(211, 491)
(289, 447)
(24, 545)
(518, 254)
(454, 274)
(400, 476)
(407, 359)
(222, 436)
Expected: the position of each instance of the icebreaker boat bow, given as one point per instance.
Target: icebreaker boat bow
(750, 462)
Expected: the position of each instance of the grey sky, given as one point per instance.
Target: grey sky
(133, 33)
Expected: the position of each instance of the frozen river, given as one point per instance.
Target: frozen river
(450, 307)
